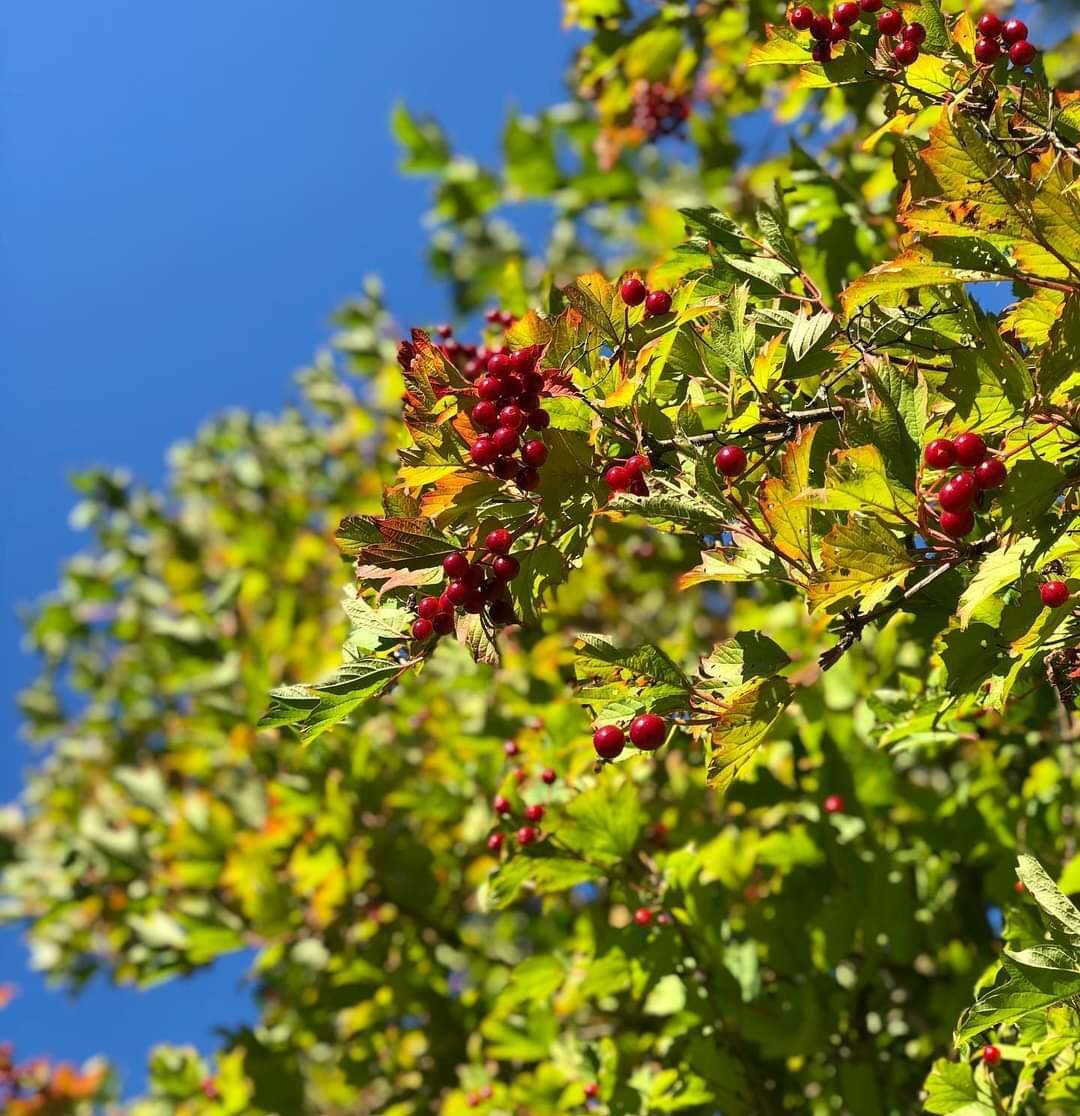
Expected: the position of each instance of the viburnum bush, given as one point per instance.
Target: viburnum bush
(705, 736)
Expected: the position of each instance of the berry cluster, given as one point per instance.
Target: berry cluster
(659, 110)
(472, 586)
(634, 292)
(484, 1093)
(629, 475)
(526, 834)
(825, 31)
(967, 488)
(996, 38)
(647, 732)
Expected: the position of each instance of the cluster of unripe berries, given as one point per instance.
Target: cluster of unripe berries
(825, 31)
(967, 487)
(633, 292)
(472, 586)
(647, 732)
(996, 38)
(659, 110)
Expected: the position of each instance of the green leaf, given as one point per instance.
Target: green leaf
(863, 562)
(1049, 896)
(952, 1089)
(603, 823)
(807, 332)
(741, 659)
(742, 723)
(547, 875)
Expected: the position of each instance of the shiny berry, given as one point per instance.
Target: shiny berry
(534, 453)
(511, 748)
(498, 541)
(500, 804)
(730, 460)
(485, 415)
(1054, 593)
(1014, 31)
(840, 33)
(821, 52)
(648, 731)
(483, 451)
(846, 13)
(914, 33)
(505, 440)
(528, 479)
(539, 419)
(455, 565)
(870, 6)
(548, 776)
(991, 1055)
(957, 524)
(495, 842)
(429, 608)
(990, 473)
(958, 493)
(506, 567)
(633, 292)
(833, 804)
(608, 741)
(970, 449)
(617, 478)
(533, 381)
(534, 813)
(489, 388)
(801, 17)
(643, 916)
(422, 629)
(906, 53)
(940, 454)
(657, 303)
(524, 360)
(443, 623)
(1022, 53)
(592, 1090)
(637, 465)
(498, 364)
(986, 51)
(526, 835)
(989, 26)
(512, 416)
(505, 468)
(890, 22)
(821, 28)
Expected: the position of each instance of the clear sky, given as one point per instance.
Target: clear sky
(188, 189)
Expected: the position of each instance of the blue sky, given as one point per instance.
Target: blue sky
(187, 192)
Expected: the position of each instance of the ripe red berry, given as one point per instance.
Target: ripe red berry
(633, 292)
(495, 842)
(990, 473)
(500, 804)
(890, 22)
(617, 478)
(986, 51)
(870, 6)
(821, 52)
(534, 453)
(474, 576)
(429, 608)
(592, 1090)
(1014, 31)
(524, 360)
(608, 741)
(648, 731)
(801, 17)
(1054, 593)
(1022, 53)
(474, 601)
(637, 465)
(548, 776)
(455, 565)
(970, 449)
(846, 13)
(839, 33)
(643, 916)
(529, 402)
(657, 303)
(991, 1055)
(506, 567)
(422, 629)
(940, 454)
(506, 441)
(505, 468)
(483, 451)
(534, 813)
(833, 804)
(730, 460)
(1019, 887)
(485, 415)
(489, 388)
(510, 748)
(989, 26)
(957, 524)
(539, 419)
(528, 479)
(820, 28)
(498, 364)
(443, 623)
(958, 493)
(914, 33)
(526, 835)
(512, 417)
(498, 541)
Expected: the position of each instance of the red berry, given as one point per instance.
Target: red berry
(986, 51)
(500, 804)
(505, 468)
(506, 567)
(533, 381)
(890, 22)
(638, 464)
(1022, 53)
(970, 449)
(524, 360)
(801, 17)
(730, 460)
(990, 473)
(443, 623)
(1019, 887)
(940, 454)
(548, 776)
(643, 916)
(957, 524)
(495, 842)
(526, 835)
(617, 478)
(539, 419)
(510, 748)
(502, 613)
(648, 731)
(833, 804)
(506, 441)
(870, 6)
(991, 1055)
(422, 629)
(485, 415)
(474, 602)
(534, 453)
(529, 402)
(989, 26)
(821, 28)
(489, 388)
(498, 541)
(1054, 593)
(1014, 31)
(608, 741)
(592, 1090)
(455, 565)
(457, 593)
(483, 451)
(821, 52)
(512, 416)
(905, 53)
(498, 364)
(657, 303)
(846, 13)
(839, 33)
(474, 576)
(429, 608)
(534, 813)
(958, 493)
(914, 33)
(633, 292)
(528, 479)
